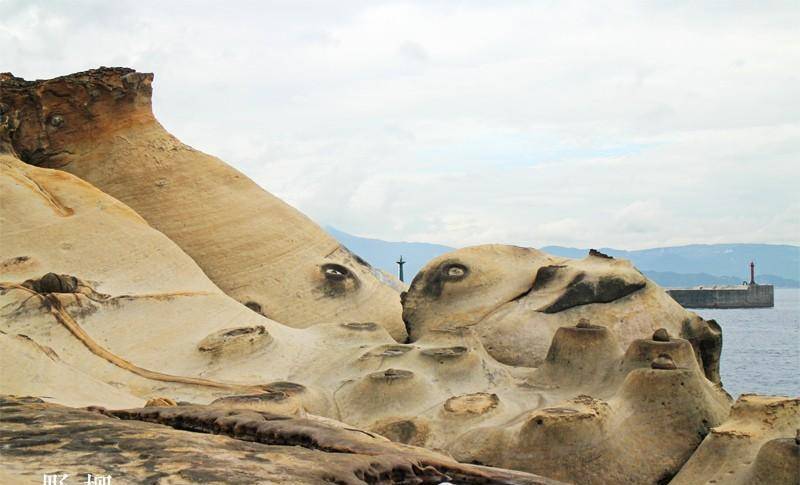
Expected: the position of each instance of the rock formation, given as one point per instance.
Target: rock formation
(99, 125)
(517, 298)
(758, 444)
(582, 371)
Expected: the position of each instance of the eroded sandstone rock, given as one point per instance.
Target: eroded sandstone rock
(516, 298)
(757, 444)
(99, 126)
(443, 391)
(610, 382)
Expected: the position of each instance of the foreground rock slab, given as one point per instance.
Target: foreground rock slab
(38, 438)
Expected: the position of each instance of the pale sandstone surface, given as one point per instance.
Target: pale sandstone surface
(758, 444)
(99, 125)
(113, 340)
(181, 338)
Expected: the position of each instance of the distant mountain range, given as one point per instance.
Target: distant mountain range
(668, 279)
(383, 254)
(708, 264)
(671, 267)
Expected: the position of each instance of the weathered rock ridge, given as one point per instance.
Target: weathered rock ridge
(99, 125)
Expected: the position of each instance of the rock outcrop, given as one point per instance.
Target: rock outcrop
(517, 298)
(582, 371)
(99, 125)
(90, 308)
(758, 444)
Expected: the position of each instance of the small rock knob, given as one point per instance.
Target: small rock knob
(663, 362)
(661, 335)
(160, 402)
(55, 283)
(584, 323)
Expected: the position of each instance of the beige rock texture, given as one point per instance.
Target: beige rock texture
(82, 302)
(578, 370)
(87, 284)
(758, 444)
(517, 298)
(99, 125)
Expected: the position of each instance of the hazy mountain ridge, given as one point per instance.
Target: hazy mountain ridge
(678, 266)
(383, 254)
(777, 264)
(669, 279)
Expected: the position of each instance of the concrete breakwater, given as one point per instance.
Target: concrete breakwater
(744, 296)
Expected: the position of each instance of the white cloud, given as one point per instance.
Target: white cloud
(589, 124)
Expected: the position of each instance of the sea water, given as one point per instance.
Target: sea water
(761, 346)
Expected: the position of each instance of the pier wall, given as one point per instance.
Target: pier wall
(750, 296)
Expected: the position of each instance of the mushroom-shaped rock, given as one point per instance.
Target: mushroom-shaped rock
(643, 352)
(580, 354)
(383, 394)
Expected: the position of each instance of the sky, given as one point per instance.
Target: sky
(587, 124)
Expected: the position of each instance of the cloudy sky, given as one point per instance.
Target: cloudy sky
(586, 124)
